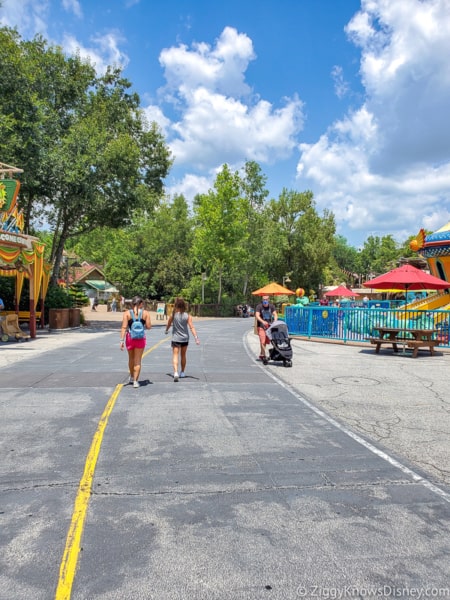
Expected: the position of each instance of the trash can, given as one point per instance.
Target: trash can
(74, 317)
(58, 318)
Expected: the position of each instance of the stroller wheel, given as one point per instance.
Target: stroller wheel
(288, 363)
(265, 361)
(5, 338)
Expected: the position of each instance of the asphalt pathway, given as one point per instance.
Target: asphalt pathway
(230, 484)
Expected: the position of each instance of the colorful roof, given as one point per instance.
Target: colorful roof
(434, 244)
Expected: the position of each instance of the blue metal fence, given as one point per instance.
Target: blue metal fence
(358, 323)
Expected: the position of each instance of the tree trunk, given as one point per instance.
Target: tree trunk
(244, 290)
(219, 295)
(27, 214)
(57, 253)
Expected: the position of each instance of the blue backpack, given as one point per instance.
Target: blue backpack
(137, 331)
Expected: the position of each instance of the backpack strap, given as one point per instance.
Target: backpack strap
(133, 316)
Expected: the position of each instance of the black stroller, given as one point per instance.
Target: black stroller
(281, 344)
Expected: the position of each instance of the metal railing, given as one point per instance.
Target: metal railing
(358, 324)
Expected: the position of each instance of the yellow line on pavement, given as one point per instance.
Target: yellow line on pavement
(155, 346)
(73, 541)
(72, 548)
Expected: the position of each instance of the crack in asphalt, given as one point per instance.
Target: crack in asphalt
(238, 490)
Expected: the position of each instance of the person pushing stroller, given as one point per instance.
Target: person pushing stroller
(265, 313)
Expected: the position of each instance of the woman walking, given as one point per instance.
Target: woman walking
(134, 342)
(181, 322)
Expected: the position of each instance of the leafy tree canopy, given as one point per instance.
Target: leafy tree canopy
(90, 159)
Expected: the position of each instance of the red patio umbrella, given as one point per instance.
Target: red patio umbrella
(407, 278)
(341, 290)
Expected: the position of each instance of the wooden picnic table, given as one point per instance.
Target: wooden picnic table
(421, 338)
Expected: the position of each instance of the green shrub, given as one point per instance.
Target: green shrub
(78, 296)
(57, 297)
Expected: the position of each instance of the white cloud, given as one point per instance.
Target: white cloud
(103, 52)
(191, 185)
(386, 166)
(216, 129)
(220, 121)
(73, 6)
(341, 87)
(109, 45)
(154, 113)
(29, 16)
(435, 220)
(218, 69)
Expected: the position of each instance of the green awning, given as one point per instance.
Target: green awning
(100, 285)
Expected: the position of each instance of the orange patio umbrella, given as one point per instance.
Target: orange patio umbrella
(273, 289)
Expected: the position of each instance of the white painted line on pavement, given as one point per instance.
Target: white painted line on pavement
(394, 462)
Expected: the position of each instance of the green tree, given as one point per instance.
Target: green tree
(42, 91)
(300, 240)
(118, 252)
(173, 234)
(345, 262)
(254, 192)
(165, 267)
(104, 164)
(151, 257)
(379, 255)
(388, 255)
(90, 160)
(221, 230)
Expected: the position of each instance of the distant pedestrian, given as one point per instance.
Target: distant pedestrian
(181, 322)
(135, 347)
(114, 304)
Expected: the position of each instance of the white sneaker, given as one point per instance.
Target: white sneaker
(182, 374)
(175, 376)
(135, 384)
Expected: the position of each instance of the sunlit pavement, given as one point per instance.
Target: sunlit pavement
(228, 484)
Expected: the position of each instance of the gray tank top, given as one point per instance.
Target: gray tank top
(180, 332)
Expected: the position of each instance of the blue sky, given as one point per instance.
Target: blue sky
(347, 98)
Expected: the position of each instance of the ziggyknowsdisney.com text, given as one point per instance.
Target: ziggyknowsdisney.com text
(385, 591)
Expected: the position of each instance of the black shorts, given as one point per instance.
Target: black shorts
(179, 344)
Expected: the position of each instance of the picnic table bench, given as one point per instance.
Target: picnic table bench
(421, 339)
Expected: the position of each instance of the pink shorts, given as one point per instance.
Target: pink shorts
(131, 344)
(262, 336)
